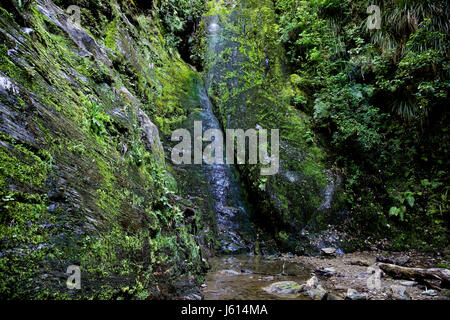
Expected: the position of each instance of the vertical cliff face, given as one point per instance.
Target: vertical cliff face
(245, 72)
(83, 180)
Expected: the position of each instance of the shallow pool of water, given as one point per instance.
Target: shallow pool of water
(244, 277)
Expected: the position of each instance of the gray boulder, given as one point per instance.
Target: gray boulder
(399, 293)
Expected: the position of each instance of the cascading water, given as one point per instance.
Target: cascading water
(231, 215)
(217, 182)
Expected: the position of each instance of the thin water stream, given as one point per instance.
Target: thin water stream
(231, 215)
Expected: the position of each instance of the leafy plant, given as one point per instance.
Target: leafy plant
(378, 101)
(97, 119)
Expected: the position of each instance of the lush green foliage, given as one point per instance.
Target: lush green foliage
(379, 98)
(179, 17)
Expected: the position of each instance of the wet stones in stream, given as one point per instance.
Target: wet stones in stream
(284, 288)
(247, 277)
(256, 278)
(289, 277)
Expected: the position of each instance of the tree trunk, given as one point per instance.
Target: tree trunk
(438, 277)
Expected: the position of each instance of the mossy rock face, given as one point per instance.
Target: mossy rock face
(78, 183)
(245, 73)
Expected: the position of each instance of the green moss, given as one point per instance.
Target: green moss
(108, 203)
(111, 35)
(23, 207)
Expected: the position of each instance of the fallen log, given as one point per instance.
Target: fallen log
(437, 276)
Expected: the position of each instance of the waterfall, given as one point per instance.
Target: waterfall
(231, 215)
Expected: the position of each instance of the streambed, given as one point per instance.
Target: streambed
(244, 277)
